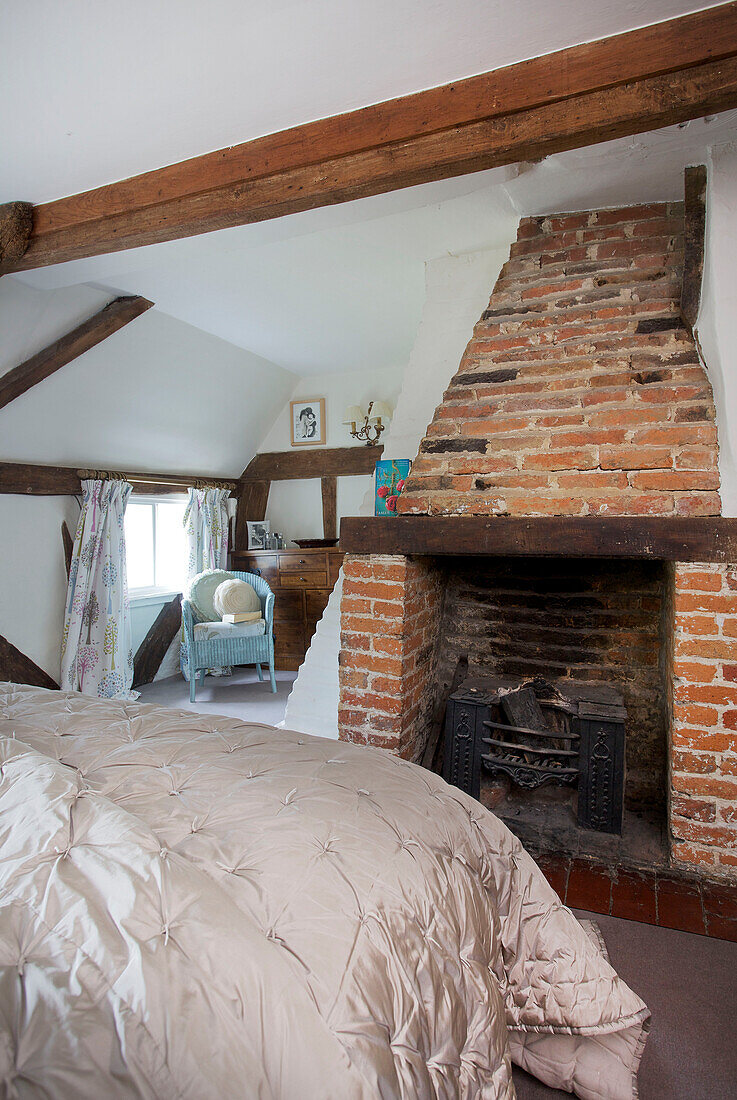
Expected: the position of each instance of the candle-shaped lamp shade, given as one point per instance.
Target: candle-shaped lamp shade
(353, 415)
(380, 411)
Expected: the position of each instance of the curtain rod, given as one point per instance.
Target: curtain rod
(157, 479)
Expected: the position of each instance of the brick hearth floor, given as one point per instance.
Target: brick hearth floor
(662, 898)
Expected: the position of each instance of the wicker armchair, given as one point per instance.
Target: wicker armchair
(244, 644)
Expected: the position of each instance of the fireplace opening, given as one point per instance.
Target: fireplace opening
(585, 634)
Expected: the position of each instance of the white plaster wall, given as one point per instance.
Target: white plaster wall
(717, 320)
(33, 582)
(457, 290)
(295, 507)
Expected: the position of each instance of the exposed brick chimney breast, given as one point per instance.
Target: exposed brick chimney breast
(581, 391)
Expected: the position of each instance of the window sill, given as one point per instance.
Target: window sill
(159, 595)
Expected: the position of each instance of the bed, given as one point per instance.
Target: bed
(197, 907)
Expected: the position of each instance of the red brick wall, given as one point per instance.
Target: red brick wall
(390, 616)
(580, 393)
(704, 731)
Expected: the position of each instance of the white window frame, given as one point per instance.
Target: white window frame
(154, 593)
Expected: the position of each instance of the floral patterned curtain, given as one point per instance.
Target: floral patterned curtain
(206, 524)
(96, 654)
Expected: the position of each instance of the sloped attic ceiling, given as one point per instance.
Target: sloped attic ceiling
(157, 395)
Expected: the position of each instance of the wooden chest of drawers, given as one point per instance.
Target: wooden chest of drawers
(301, 581)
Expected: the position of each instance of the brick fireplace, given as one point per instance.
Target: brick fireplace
(580, 395)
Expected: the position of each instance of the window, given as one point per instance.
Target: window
(155, 545)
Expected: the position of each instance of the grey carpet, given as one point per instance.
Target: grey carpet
(690, 985)
(240, 695)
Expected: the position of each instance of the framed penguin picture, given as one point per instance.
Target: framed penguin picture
(308, 422)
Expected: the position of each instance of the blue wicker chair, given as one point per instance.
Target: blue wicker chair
(245, 644)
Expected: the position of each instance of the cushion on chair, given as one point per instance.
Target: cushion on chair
(235, 595)
(217, 631)
(201, 590)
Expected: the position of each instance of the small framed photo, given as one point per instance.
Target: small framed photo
(308, 422)
(258, 533)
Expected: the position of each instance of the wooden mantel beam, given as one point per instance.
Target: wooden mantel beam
(116, 314)
(667, 538)
(655, 76)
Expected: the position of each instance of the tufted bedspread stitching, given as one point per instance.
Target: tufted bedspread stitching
(215, 908)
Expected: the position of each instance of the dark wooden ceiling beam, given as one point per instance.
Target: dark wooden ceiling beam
(31, 479)
(16, 225)
(711, 538)
(116, 314)
(655, 76)
(312, 463)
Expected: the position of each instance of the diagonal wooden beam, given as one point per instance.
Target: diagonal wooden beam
(19, 669)
(630, 83)
(119, 312)
(68, 544)
(153, 648)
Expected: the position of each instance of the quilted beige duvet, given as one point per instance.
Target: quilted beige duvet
(194, 907)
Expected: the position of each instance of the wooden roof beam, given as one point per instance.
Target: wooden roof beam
(16, 223)
(655, 76)
(312, 462)
(116, 314)
(34, 479)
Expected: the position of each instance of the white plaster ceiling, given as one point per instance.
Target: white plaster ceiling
(95, 91)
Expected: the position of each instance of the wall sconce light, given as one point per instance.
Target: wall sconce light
(367, 425)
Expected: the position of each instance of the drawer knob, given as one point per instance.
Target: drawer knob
(302, 561)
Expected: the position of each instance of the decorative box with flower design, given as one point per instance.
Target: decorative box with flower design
(391, 474)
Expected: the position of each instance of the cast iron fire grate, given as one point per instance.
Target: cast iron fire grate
(537, 732)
